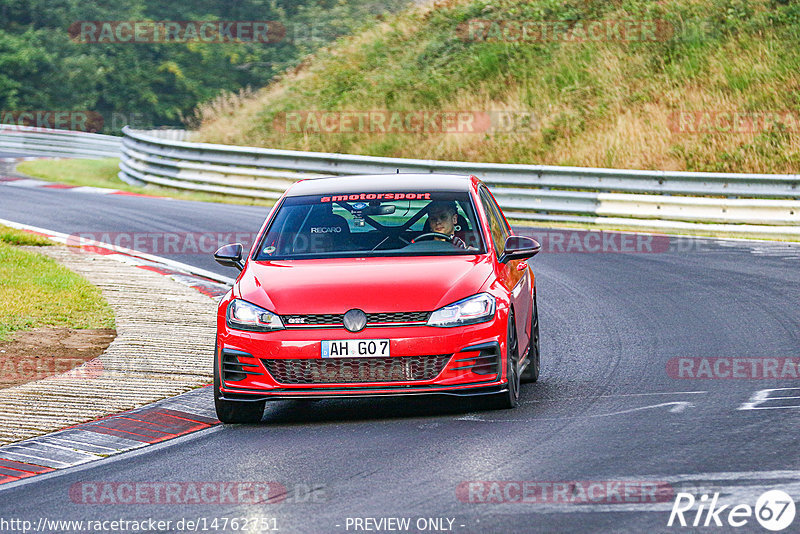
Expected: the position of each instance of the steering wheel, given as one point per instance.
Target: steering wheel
(433, 235)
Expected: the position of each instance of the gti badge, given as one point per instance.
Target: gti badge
(355, 320)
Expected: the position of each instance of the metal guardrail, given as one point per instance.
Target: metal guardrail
(764, 204)
(59, 143)
(744, 203)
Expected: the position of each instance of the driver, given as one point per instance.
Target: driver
(442, 218)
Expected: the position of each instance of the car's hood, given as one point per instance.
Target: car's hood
(371, 284)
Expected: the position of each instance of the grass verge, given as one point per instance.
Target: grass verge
(36, 291)
(103, 173)
(13, 236)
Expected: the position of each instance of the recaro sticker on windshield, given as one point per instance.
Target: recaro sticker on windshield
(376, 196)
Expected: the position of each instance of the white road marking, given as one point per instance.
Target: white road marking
(773, 408)
(35, 460)
(764, 395)
(27, 183)
(619, 395)
(92, 190)
(82, 445)
(677, 407)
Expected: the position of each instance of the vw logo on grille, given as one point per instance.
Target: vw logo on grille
(355, 320)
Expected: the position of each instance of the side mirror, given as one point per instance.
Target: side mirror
(230, 256)
(519, 247)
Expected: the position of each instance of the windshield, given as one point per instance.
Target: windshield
(372, 224)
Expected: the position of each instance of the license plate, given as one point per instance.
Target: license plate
(355, 348)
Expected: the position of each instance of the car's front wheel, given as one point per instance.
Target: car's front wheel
(233, 411)
(510, 398)
(531, 372)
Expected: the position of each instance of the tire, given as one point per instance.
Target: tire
(232, 411)
(509, 399)
(531, 372)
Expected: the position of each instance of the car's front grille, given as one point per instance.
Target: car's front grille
(302, 320)
(397, 317)
(350, 370)
(337, 319)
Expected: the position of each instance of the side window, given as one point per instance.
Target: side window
(496, 225)
(499, 214)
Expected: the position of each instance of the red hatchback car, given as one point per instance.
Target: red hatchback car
(402, 284)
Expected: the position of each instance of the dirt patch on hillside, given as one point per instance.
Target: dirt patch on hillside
(42, 352)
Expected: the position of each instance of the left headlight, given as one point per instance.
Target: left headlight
(471, 310)
(245, 316)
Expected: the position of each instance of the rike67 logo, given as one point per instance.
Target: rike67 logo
(774, 510)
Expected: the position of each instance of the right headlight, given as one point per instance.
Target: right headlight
(245, 316)
(471, 310)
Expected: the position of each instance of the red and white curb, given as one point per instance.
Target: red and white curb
(22, 158)
(115, 434)
(30, 183)
(20, 181)
(206, 282)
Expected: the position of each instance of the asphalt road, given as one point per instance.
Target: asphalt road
(183, 231)
(12, 154)
(606, 408)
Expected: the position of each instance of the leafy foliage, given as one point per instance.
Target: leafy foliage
(42, 68)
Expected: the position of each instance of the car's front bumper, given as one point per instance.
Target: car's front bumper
(474, 365)
(231, 394)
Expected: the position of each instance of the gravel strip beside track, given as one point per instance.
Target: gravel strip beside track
(151, 358)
